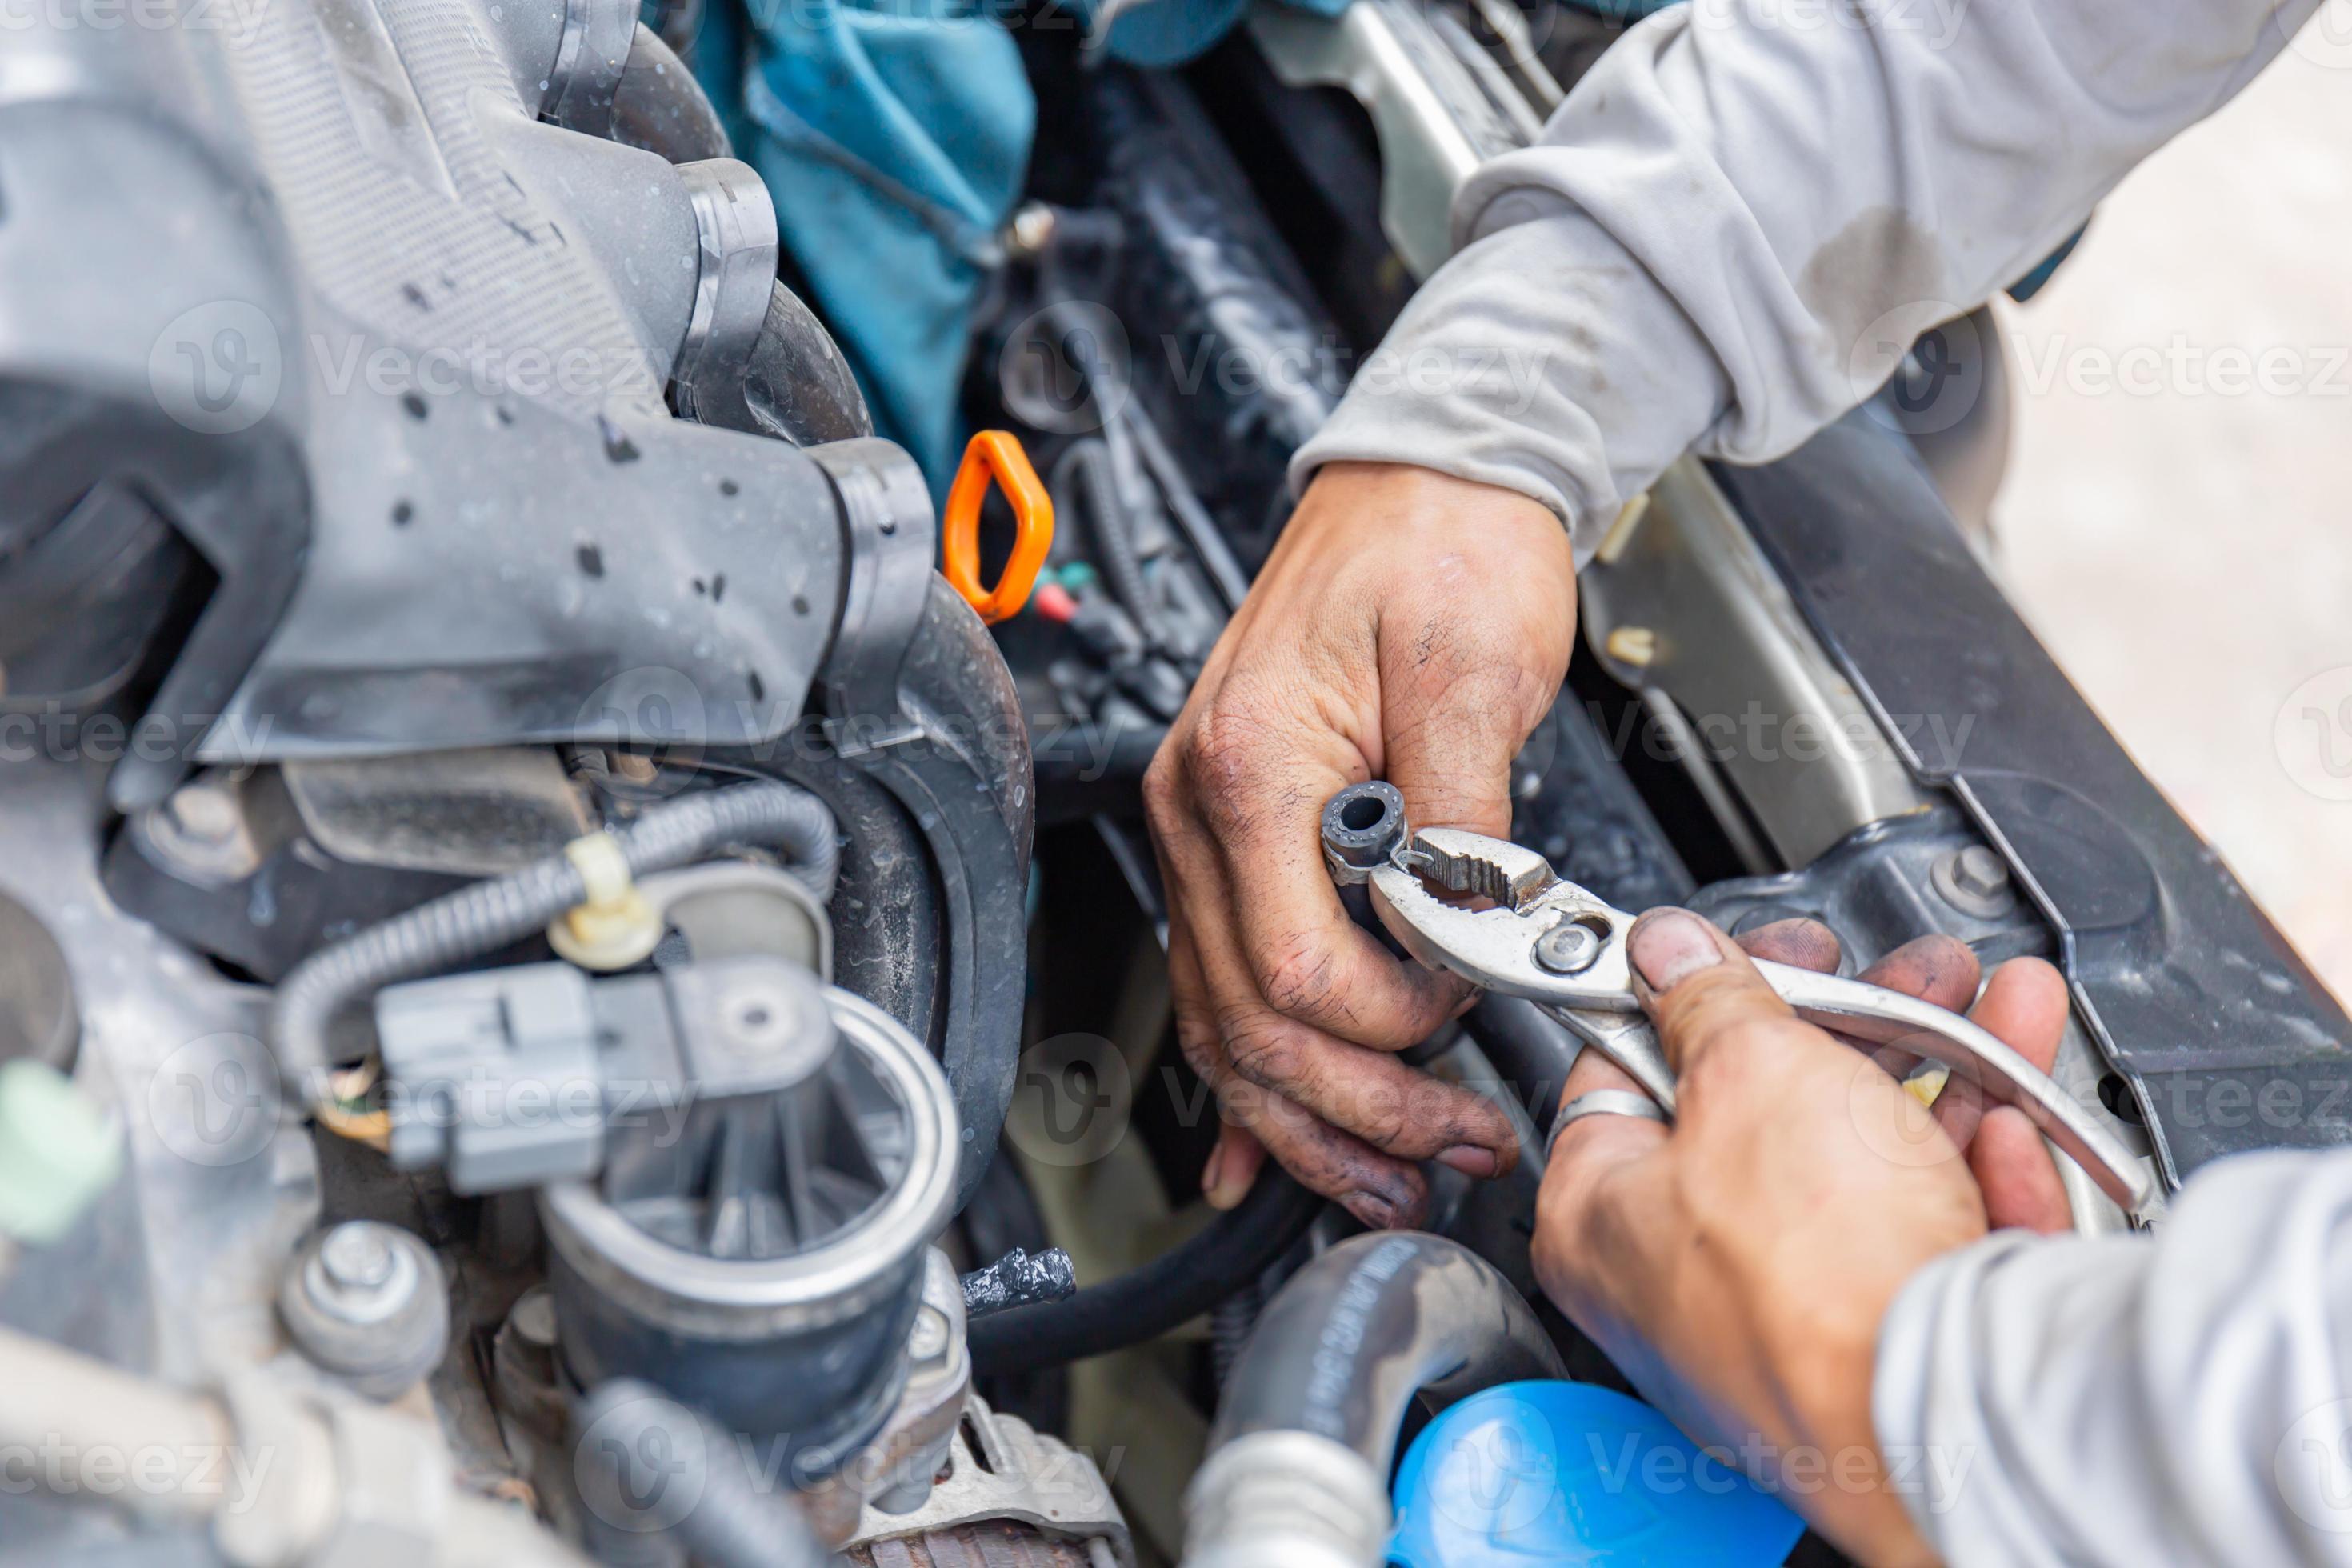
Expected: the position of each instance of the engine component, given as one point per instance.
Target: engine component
(369, 1303)
(1503, 1476)
(59, 1151)
(2192, 996)
(761, 1255)
(1008, 1496)
(323, 1484)
(1751, 687)
(38, 1019)
(1297, 1471)
(647, 1463)
(489, 914)
(1174, 1288)
(1019, 1279)
(259, 867)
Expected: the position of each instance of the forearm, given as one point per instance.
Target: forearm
(1709, 239)
(2179, 1399)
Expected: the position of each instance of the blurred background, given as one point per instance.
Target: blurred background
(2183, 538)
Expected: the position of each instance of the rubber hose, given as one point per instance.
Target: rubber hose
(1423, 1316)
(659, 107)
(647, 1462)
(1083, 474)
(488, 915)
(1531, 1052)
(1162, 1295)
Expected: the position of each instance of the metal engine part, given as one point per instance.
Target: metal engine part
(1010, 1497)
(761, 1256)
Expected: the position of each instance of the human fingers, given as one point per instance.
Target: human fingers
(2025, 1005)
(1371, 1094)
(1380, 1190)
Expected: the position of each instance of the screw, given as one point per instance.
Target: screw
(1974, 881)
(202, 813)
(1568, 948)
(1979, 870)
(534, 1318)
(360, 1273)
(356, 1255)
(928, 1341)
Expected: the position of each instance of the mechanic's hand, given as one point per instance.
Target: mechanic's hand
(1736, 1265)
(1408, 627)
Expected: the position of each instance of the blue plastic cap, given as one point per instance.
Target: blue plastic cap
(1570, 1473)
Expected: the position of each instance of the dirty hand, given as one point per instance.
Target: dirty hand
(1408, 626)
(1736, 1265)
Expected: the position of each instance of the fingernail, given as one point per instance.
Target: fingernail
(1375, 1211)
(1670, 946)
(1210, 1171)
(1471, 1159)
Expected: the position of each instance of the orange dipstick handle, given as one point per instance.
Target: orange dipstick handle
(996, 455)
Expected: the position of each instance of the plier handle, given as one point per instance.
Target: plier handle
(1551, 941)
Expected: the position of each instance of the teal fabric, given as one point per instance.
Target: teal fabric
(893, 136)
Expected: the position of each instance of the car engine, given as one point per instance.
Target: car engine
(567, 995)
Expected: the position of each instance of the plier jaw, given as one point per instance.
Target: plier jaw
(1508, 923)
(1509, 945)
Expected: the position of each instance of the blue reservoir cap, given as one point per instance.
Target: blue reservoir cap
(1570, 1473)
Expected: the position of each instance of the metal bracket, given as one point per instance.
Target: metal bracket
(590, 56)
(890, 536)
(735, 230)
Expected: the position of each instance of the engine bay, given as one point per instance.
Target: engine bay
(566, 995)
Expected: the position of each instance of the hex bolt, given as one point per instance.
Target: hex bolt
(368, 1301)
(1974, 881)
(357, 1257)
(1568, 948)
(202, 811)
(1979, 871)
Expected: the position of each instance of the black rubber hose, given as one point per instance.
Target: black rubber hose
(659, 107)
(485, 916)
(647, 1465)
(1146, 1302)
(1530, 1053)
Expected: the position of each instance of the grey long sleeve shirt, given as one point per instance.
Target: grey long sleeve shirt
(1746, 209)
(1723, 241)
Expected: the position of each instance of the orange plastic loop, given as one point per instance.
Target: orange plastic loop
(996, 455)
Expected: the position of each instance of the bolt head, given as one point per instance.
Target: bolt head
(357, 1256)
(1979, 871)
(204, 812)
(1568, 948)
(928, 1341)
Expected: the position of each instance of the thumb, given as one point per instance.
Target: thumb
(1700, 989)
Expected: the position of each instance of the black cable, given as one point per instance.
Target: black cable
(1149, 1301)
